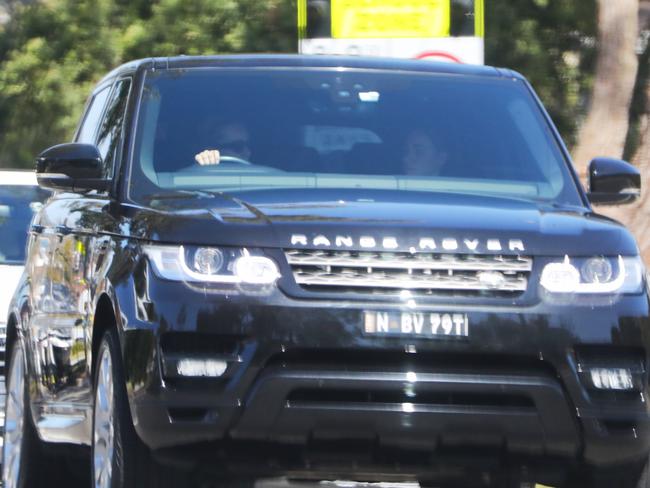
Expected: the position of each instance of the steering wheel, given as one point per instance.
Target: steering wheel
(231, 159)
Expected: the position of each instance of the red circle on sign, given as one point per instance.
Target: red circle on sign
(438, 54)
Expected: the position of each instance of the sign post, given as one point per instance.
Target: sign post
(441, 30)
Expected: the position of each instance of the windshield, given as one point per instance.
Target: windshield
(225, 129)
(18, 204)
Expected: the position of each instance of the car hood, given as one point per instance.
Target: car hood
(10, 277)
(402, 219)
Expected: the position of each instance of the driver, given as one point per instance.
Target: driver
(422, 156)
(232, 139)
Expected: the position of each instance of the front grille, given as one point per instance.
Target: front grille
(367, 271)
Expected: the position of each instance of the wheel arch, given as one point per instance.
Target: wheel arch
(104, 319)
(16, 315)
(10, 339)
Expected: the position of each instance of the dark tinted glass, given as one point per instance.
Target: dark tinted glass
(349, 128)
(88, 127)
(110, 132)
(18, 203)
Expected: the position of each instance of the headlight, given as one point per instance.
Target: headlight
(596, 275)
(212, 264)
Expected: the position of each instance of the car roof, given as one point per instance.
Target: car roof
(310, 61)
(17, 177)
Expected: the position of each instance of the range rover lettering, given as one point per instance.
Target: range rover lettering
(328, 269)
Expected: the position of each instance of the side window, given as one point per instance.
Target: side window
(88, 127)
(110, 131)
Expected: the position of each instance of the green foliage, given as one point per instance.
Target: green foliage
(53, 51)
(552, 42)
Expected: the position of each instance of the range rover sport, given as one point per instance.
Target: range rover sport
(327, 268)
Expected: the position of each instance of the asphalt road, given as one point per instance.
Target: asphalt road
(280, 483)
(285, 484)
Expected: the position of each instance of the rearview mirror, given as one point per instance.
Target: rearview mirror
(75, 167)
(613, 182)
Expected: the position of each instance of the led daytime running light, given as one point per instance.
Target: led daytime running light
(170, 263)
(196, 276)
(565, 278)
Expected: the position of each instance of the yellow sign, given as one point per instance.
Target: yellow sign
(363, 19)
(479, 24)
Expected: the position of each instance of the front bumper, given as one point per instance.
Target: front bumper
(303, 374)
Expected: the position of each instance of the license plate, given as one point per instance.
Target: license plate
(416, 324)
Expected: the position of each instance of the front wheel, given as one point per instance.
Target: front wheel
(633, 476)
(119, 458)
(644, 480)
(23, 461)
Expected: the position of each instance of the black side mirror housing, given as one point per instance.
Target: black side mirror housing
(613, 182)
(73, 167)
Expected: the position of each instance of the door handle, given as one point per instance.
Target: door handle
(37, 229)
(63, 230)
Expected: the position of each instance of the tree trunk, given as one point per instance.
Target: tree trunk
(637, 217)
(642, 156)
(605, 129)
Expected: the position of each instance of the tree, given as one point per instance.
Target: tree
(637, 216)
(53, 51)
(551, 43)
(605, 130)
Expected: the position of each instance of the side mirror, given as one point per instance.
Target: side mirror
(74, 167)
(613, 182)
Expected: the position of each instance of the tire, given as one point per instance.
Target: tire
(119, 458)
(640, 481)
(25, 465)
(634, 476)
(644, 480)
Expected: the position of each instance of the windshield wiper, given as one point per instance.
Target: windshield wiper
(178, 194)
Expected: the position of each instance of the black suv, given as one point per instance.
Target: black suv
(327, 268)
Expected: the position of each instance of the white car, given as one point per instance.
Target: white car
(20, 198)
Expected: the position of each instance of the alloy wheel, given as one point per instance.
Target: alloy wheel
(103, 431)
(14, 421)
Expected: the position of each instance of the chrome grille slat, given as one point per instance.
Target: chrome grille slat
(407, 260)
(366, 270)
